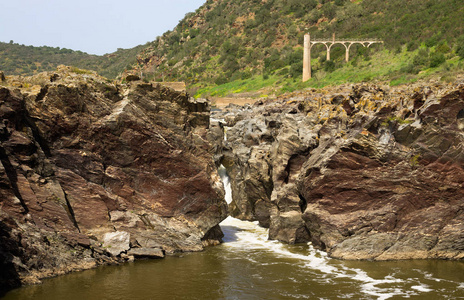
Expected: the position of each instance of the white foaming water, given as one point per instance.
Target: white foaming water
(226, 181)
(246, 236)
(422, 288)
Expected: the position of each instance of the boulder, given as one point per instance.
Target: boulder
(116, 242)
(146, 252)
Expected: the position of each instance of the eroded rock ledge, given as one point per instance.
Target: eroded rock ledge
(94, 173)
(362, 171)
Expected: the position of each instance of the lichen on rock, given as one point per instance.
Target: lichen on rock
(361, 171)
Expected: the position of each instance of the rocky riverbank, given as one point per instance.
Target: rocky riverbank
(94, 172)
(362, 171)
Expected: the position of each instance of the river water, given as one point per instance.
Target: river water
(248, 266)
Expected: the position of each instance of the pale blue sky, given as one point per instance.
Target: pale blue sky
(92, 26)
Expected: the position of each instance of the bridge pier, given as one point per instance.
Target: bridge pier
(347, 53)
(307, 58)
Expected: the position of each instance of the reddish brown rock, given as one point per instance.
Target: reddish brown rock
(363, 172)
(82, 157)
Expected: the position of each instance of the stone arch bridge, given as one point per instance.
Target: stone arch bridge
(329, 43)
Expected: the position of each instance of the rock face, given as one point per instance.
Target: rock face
(82, 158)
(363, 172)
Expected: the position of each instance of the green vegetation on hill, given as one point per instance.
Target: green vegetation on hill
(228, 46)
(18, 59)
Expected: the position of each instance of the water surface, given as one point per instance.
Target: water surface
(248, 266)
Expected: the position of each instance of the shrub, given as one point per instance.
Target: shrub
(431, 41)
(460, 47)
(437, 59)
(245, 75)
(221, 79)
(329, 10)
(329, 66)
(411, 46)
(443, 48)
(231, 65)
(296, 70)
(283, 71)
(172, 62)
(421, 58)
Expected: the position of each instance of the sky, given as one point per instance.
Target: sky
(92, 26)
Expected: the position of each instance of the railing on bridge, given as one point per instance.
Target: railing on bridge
(345, 40)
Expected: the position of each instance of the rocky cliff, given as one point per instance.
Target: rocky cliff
(361, 171)
(94, 172)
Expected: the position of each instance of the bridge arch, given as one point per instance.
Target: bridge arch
(327, 47)
(333, 44)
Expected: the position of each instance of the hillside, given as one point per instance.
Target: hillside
(18, 59)
(228, 47)
(257, 43)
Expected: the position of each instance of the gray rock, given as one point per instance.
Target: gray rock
(146, 252)
(116, 242)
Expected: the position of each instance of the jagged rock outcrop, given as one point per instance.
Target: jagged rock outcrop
(363, 171)
(82, 158)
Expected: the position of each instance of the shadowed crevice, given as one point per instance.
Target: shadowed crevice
(12, 177)
(9, 248)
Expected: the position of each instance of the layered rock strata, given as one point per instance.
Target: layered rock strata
(362, 171)
(94, 172)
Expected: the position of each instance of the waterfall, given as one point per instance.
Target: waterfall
(226, 182)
